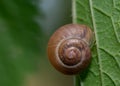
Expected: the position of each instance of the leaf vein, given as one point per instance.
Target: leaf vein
(114, 5)
(110, 78)
(111, 56)
(115, 31)
(81, 4)
(93, 73)
(101, 11)
(97, 46)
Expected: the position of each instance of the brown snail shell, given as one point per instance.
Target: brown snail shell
(69, 48)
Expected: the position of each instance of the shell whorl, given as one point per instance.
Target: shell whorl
(68, 48)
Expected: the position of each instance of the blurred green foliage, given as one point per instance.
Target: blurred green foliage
(23, 42)
(20, 40)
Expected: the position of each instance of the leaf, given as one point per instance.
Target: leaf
(103, 16)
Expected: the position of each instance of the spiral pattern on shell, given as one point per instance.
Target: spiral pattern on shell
(68, 48)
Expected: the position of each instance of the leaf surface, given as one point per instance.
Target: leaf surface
(103, 16)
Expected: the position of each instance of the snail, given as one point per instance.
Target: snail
(69, 48)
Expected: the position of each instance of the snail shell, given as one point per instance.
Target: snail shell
(69, 48)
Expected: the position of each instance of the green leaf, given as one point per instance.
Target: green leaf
(103, 16)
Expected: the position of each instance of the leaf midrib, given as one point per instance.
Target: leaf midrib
(97, 43)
